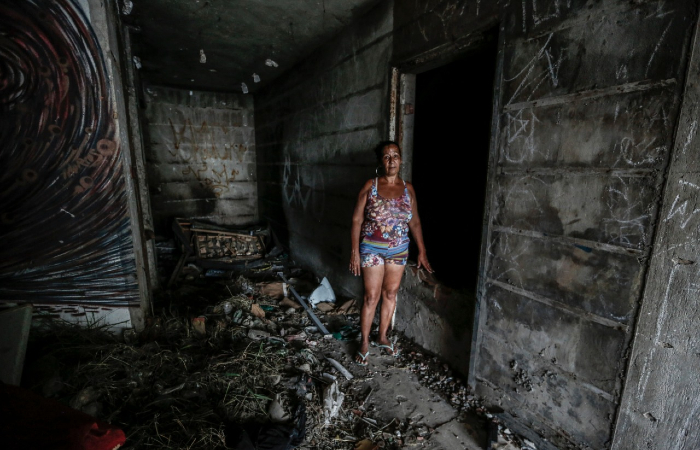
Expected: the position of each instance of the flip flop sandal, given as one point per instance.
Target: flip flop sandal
(364, 358)
(389, 349)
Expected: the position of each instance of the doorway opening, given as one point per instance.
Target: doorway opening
(451, 142)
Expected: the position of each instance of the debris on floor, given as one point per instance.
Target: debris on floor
(322, 294)
(238, 359)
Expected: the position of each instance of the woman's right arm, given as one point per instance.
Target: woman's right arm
(357, 218)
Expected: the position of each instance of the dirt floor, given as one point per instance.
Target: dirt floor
(224, 358)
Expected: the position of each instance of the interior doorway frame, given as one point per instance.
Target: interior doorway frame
(401, 126)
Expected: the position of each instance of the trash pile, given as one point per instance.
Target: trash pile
(240, 363)
(191, 380)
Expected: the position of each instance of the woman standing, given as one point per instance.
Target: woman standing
(386, 210)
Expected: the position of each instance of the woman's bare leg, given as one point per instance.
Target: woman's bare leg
(373, 278)
(390, 287)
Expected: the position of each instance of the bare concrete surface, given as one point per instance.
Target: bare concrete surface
(455, 434)
(394, 393)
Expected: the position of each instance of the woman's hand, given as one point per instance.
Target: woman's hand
(424, 263)
(357, 218)
(355, 263)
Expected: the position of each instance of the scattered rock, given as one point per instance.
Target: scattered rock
(289, 303)
(256, 335)
(332, 401)
(325, 306)
(276, 410)
(257, 311)
(83, 397)
(274, 289)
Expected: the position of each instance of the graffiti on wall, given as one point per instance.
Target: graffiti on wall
(303, 192)
(200, 149)
(64, 228)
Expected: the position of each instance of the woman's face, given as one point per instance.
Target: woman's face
(391, 160)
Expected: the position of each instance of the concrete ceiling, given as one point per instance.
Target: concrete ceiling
(173, 38)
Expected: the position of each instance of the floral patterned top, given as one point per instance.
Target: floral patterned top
(386, 219)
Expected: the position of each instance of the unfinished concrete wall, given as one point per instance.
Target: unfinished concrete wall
(316, 129)
(200, 157)
(660, 407)
(587, 104)
(70, 244)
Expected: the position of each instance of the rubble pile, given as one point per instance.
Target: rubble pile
(250, 357)
(232, 353)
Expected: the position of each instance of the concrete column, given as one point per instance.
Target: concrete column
(660, 406)
(104, 18)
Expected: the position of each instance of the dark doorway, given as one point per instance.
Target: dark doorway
(452, 135)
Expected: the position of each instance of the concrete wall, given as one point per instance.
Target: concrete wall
(316, 128)
(586, 105)
(660, 407)
(200, 157)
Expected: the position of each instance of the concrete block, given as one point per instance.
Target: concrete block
(567, 342)
(599, 282)
(593, 206)
(363, 110)
(607, 50)
(207, 189)
(230, 171)
(198, 99)
(626, 131)
(218, 211)
(178, 116)
(366, 69)
(441, 323)
(540, 401)
(346, 149)
(201, 151)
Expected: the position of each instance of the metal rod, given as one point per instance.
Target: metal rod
(306, 307)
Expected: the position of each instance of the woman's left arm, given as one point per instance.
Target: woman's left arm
(417, 231)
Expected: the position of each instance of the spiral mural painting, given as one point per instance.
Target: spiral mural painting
(65, 234)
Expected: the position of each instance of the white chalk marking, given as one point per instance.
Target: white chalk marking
(656, 47)
(688, 183)
(621, 72)
(529, 68)
(554, 76)
(682, 211)
(659, 319)
(660, 13)
(691, 135)
(539, 19)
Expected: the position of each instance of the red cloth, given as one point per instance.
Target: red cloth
(30, 421)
